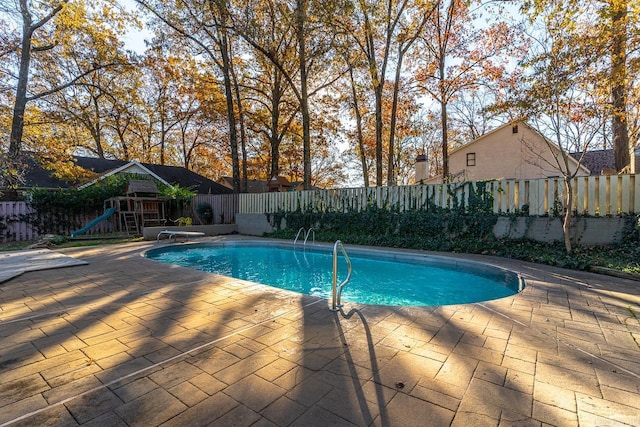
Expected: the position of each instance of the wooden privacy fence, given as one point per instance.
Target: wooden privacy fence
(225, 206)
(608, 195)
(593, 195)
(18, 222)
(13, 224)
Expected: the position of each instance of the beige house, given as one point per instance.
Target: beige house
(512, 151)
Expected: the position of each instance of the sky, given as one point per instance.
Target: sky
(134, 39)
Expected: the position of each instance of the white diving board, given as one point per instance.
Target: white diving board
(173, 234)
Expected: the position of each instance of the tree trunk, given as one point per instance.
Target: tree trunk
(231, 117)
(97, 129)
(274, 137)
(17, 124)
(445, 143)
(183, 138)
(391, 178)
(20, 104)
(304, 101)
(619, 125)
(379, 174)
(243, 137)
(568, 206)
(123, 143)
(163, 137)
(443, 122)
(377, 81)
(356, 107)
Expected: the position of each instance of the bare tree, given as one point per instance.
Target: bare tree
(559, 99)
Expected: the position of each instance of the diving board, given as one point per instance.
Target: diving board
(174, 234)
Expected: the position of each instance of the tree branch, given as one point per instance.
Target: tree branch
(68, 84)
(47, 18)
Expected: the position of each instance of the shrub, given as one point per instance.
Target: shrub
(205, 212)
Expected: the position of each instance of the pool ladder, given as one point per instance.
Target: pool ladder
(337, 289)
(306, 235)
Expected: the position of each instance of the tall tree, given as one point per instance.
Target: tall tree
(358, 113)
(619, 21)
(459, 55)
(61, 44)
(379, 30)
(204, 27)
(605, 33)
(305, 20)
(560, 98)
(268, 81)
(410, 29)
(29, 27)
(301, 36)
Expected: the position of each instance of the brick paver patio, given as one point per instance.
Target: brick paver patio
(128, 341)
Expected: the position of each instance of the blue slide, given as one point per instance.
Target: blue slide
(106, 215)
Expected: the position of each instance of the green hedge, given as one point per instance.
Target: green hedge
(462, 228)
(463, 225)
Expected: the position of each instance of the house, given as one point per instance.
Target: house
(36, 176)
(512, 151)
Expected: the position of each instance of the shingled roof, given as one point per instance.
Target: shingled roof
(597, 160)
(36, 176)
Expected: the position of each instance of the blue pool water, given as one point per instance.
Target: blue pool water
(378, 277)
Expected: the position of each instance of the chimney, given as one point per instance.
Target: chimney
(421, 168)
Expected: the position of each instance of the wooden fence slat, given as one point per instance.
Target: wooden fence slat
(625, 193)
(603, 186)
(613, 195)
(494, 190)
(592, 196)
(581, 204)
(635, 183)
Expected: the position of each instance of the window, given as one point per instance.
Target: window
(471, 159)
(514, 128)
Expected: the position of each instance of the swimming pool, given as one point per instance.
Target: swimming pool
(380, 277)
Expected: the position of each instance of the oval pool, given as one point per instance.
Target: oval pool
(381, 277)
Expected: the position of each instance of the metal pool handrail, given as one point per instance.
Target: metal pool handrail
(306, 236)
(298, 235)
(337, 290)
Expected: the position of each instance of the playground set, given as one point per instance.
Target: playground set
(140, 207)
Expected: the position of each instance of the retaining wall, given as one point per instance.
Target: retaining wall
(588, 231)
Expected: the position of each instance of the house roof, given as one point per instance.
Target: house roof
(142, 186)
(131, 167)
(597, 160)
(36, 176)
(278, 181)
(253, 185)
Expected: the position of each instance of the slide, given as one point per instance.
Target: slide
(106, 215)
